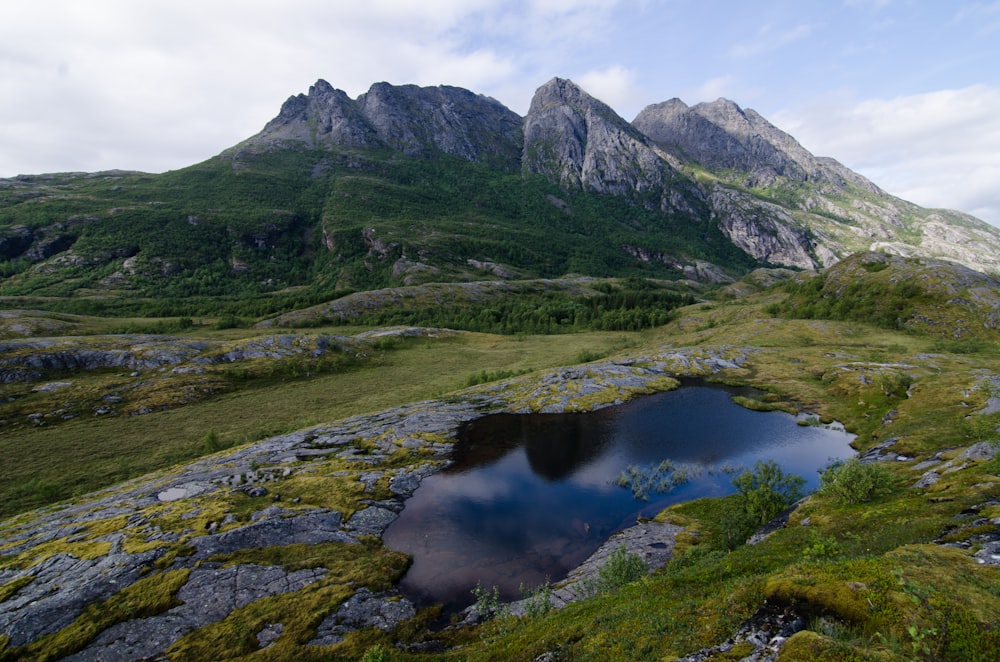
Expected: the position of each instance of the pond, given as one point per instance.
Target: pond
(530, 497)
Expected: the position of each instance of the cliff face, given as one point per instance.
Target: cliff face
(420, 121)
(324, 116)
(781, 204)
(417, 121)
(574, 139)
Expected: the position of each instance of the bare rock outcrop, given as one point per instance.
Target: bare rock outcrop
(417, 121)
(763, 230)
(578, 141)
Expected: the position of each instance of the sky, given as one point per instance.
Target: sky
(906, 92)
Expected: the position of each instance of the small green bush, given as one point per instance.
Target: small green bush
(767, 490)
(377, 653)
(736, 525)
(538, 600)
(620, 569)
(852, 481)
(211, 442)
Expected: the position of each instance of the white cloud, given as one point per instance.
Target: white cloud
(615, 86)
(768, 39)
(161, 84)
(938, 149)
(714, 88)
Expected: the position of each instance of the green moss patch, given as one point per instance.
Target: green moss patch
(146, 597)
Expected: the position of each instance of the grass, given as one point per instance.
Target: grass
(839, 568)
(107, 450)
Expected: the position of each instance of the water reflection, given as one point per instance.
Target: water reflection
(529, 497)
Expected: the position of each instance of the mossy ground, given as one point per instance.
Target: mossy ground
(872, 578)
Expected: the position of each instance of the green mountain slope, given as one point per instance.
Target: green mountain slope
(326, 220)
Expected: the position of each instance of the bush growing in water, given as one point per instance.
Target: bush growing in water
(852, 481)
(663, 478)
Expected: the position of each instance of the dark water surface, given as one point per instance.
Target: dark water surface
(530, 497)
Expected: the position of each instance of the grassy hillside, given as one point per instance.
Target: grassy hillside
(318, 222)
(926, 296)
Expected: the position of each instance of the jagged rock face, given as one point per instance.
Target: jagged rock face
(576, 140)
(765, 231)
(418, 121)
(324, 116)
(721, 135)
(580, 143)
(421, 120)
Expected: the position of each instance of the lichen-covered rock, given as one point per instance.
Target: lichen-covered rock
(62, 585)
(281, 528)
(211, 593)
(364, 610)
(178, 520)
(371, 521)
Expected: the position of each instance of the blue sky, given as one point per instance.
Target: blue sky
(907, 92)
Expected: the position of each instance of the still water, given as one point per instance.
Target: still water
(529, 497)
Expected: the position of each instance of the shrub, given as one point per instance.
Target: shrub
(736, 525)
(767, 490)
(538, 600)
(620, 569)
(855, 482)
(377, 653)
(211, 442)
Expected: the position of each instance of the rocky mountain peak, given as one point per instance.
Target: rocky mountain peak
(422, 120)
(324, 116)
(765, 192)
(418, 121)
(722, 135)
(559, 92)
(580, 142)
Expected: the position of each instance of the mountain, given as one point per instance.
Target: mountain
(574, 139)
(420, 122)
(407, 185)
(764, 186)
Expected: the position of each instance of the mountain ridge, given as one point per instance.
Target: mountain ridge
(408, 184)
(742, 150)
